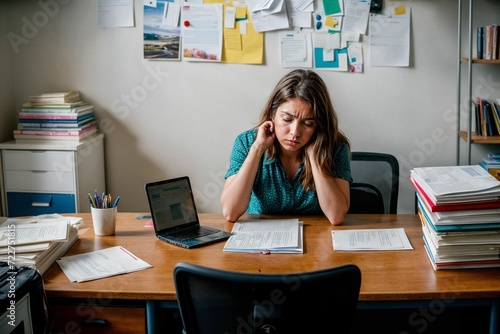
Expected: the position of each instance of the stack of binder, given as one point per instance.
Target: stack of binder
(459, 207)
(56, 116)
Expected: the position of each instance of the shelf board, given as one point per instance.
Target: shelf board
(480, 61)
(475, 139)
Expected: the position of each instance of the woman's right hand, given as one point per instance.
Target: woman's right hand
(265, 134)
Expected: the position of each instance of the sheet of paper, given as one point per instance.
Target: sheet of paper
(266, 236)
(115, 13)
(296, 50)
(102, 263)
(355, 52)
(268, 18)
(324, 51)
(356, 16)
(390, 40)
(202, 32)
(21, 234)
(455, 180)
(370, 239)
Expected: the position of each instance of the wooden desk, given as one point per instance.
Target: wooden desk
(389, 278)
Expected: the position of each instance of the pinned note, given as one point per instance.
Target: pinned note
(400, 10)
(331, 22)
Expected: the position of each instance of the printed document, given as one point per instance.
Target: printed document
(267, 236)
(100, 264)
(390, 40)
(370, 239)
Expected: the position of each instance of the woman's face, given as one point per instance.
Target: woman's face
(294, 124)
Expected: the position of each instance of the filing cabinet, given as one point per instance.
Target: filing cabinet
(41, 177)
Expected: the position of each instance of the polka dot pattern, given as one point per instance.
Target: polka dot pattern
(273, 193)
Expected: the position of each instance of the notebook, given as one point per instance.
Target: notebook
(174, 214)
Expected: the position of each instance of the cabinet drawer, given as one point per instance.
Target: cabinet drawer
(56, 161)
(85, 319)
(32, 204)
(39, 181)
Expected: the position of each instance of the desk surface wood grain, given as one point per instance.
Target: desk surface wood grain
(386, 275)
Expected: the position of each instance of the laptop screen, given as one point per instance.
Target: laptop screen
(171, 203)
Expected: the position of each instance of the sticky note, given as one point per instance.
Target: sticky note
(400, 10)
(331, 22)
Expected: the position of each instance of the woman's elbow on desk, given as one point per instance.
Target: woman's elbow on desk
(336, 218)
(231, 216)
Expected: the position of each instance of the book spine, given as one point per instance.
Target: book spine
(62, 132)
(489, 42)
(47, 109)
(479, 51)
(494, 43)
(49, 116)
(71, 138)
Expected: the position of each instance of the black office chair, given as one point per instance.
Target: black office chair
(375, 186)
(219, 301)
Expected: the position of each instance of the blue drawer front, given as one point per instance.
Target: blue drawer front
(32, 204)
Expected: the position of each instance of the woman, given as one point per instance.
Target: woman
(296, 161)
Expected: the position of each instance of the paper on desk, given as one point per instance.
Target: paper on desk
(275, 235)
(101, 263)
(371, 239)
(34, 233)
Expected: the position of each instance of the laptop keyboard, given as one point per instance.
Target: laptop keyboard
(187, 235)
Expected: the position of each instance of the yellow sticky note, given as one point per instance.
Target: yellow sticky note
(331, 22)
(400, 10)
(241, 12)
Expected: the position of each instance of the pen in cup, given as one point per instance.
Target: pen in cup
(103, 201)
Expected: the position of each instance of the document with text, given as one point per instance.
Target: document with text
(371, 239)
(100, 264)
(266, 236)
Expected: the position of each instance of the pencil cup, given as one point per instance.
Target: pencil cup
(104, 220)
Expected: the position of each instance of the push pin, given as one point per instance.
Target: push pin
(186, 23)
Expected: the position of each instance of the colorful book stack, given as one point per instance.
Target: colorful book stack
(56, 116)
(459, 207)
(492, 164)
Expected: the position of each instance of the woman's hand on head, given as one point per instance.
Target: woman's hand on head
(266, 134)
(310, 148)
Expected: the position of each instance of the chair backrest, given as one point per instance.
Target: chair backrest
(219, 301)
(375, 182)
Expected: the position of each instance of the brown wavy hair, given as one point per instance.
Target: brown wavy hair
(307, 86)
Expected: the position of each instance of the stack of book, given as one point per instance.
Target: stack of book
(459, 207)
(37, 242)
(492, 164)
(56, 116)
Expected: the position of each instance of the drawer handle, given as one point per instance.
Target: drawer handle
(44, 204)
(95, 322)
(40, 200)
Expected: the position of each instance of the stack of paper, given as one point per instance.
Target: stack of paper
(37, 242)
(459, 207)
(266, 236)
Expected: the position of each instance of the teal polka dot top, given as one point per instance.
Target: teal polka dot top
(273, 193)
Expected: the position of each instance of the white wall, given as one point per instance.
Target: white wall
(187, 123)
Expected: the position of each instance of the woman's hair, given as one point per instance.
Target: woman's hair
(307, 86)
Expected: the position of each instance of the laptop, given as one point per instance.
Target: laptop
(174, 214)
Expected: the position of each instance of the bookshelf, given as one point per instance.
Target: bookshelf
(466, 84)
(475, 139)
